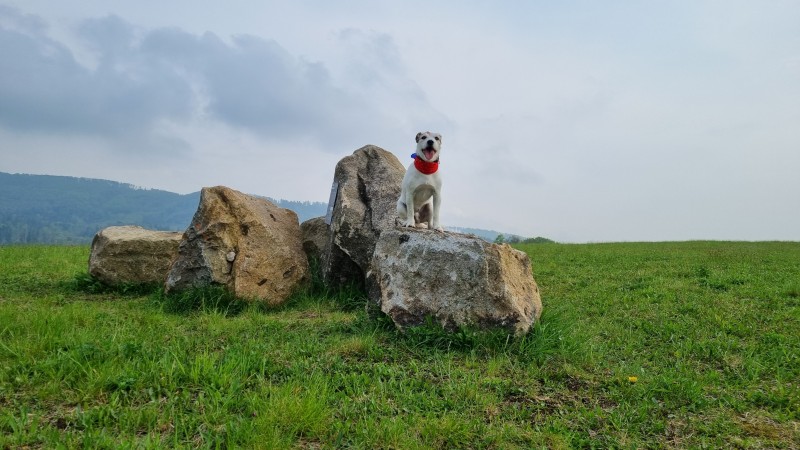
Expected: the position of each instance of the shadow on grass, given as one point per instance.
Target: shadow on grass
(547, 340)
(87, 284)
(206, 299)
(348, 298)
(218, 299)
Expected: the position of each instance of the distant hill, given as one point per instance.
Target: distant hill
(496, 236)
(67, 210)
(50, 209)
(487, 235)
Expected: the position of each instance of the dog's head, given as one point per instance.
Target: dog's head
(429, 145)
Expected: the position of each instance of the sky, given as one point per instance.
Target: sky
(579, 121)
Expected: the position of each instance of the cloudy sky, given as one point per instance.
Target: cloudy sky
(580, 121)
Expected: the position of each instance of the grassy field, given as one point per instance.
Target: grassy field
(666, 345)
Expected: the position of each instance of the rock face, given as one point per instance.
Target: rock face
(247, 244)
(459, 280)
(132, 255)
(369, 186)
(316, 236)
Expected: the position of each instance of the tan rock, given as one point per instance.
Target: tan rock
(459, 280)
(132, 255)
(245, 243)
(368, 188)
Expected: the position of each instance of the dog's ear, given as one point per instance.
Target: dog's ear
(419, 135)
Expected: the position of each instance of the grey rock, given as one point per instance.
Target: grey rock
(316, 237)
(459, 280)
(369, 186)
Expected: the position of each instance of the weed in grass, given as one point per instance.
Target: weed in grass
(432, 335)
(208, 299)
(548, 342)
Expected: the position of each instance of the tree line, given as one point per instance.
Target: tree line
(67, 210)
(513, 239)
(50, 209)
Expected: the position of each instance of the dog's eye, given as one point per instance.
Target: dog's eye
(437, 138)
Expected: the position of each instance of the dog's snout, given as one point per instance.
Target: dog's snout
(430, 143)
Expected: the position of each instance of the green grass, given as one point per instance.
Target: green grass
(710, 330)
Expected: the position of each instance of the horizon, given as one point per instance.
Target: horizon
(576, 121)
(281, 202)
(461, 227)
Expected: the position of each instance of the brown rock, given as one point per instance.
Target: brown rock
(459, 280)
(245, 243)
(132, 255)
(369, 186)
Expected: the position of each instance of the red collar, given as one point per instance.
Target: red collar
(424, 166)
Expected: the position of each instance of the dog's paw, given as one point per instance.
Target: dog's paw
(439, 229)
(408, 224)
(422, 225)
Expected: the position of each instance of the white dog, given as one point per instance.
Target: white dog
(421, 193)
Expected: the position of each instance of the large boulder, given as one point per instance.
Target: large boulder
(245, 243)
(316, 236)
(132, 255)
(457, 279)
(368, 188)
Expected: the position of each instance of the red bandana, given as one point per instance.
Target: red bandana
(424, 166)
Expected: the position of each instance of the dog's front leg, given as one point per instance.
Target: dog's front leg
(437, 201)
(409, 209)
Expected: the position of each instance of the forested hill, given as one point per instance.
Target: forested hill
(50, 209)
(63, 210)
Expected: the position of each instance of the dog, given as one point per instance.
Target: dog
(421, 192)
